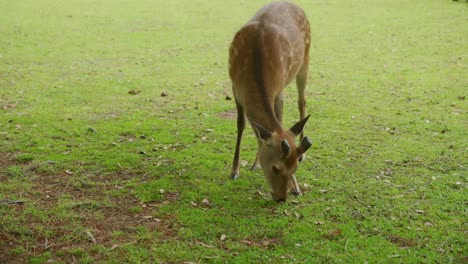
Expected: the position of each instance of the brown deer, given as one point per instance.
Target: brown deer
(265, 55)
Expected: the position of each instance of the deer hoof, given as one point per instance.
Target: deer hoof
(234, 176)
(255, 167)
(296, 193)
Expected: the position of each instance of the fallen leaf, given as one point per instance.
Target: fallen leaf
(205, 202)
(297, 215)
(333, 233)
(8, 201)
(319, 222)
(8, 106)
(222, 237)
(402, 242)
(211, 257)
(264, 243)
(259, 193)
(90, 237)
(194, 204)
(392, 130)
(247, 242)
(287, 256)
(134, 92)
(419, 211)
(161, 191)
(323, 191)
(164, 94)
(147, 217)
(204, 245)
(306, 187)
(114, 246)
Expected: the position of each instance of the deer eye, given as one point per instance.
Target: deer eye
(275, 169)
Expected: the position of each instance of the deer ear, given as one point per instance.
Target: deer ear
(299, 126)
(304, 146)
(261, 132)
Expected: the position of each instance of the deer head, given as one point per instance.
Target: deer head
(279, 156)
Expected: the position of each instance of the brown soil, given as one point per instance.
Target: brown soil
(99, 208)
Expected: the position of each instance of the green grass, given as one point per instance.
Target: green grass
(90, 173)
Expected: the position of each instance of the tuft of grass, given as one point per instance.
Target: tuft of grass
(115, 125)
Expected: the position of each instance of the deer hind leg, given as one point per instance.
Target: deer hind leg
(301, 82)
(240, 129)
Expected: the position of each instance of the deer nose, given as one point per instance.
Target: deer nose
(281, 200)
(278, 199)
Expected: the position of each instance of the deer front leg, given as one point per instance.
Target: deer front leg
(279, 108)
(279, 116)
(240, 129)
(294, 187)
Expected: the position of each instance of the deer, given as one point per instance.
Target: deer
(265, 55)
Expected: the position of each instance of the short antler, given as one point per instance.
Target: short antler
(285, 148)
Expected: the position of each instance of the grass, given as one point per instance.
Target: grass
(92, 173)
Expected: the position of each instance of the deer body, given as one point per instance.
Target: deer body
(266, 54)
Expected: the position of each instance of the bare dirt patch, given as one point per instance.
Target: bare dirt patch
(231, 114)
(64, 214)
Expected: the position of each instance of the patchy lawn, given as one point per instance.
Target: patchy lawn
(117, 130)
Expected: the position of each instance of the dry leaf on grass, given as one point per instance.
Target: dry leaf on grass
(333, 233)
(401, 241)
(133, 92)
(247, 242)
(205, 201)
(204, 245)
(8, 106)
(90, 237)
(263, 243)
